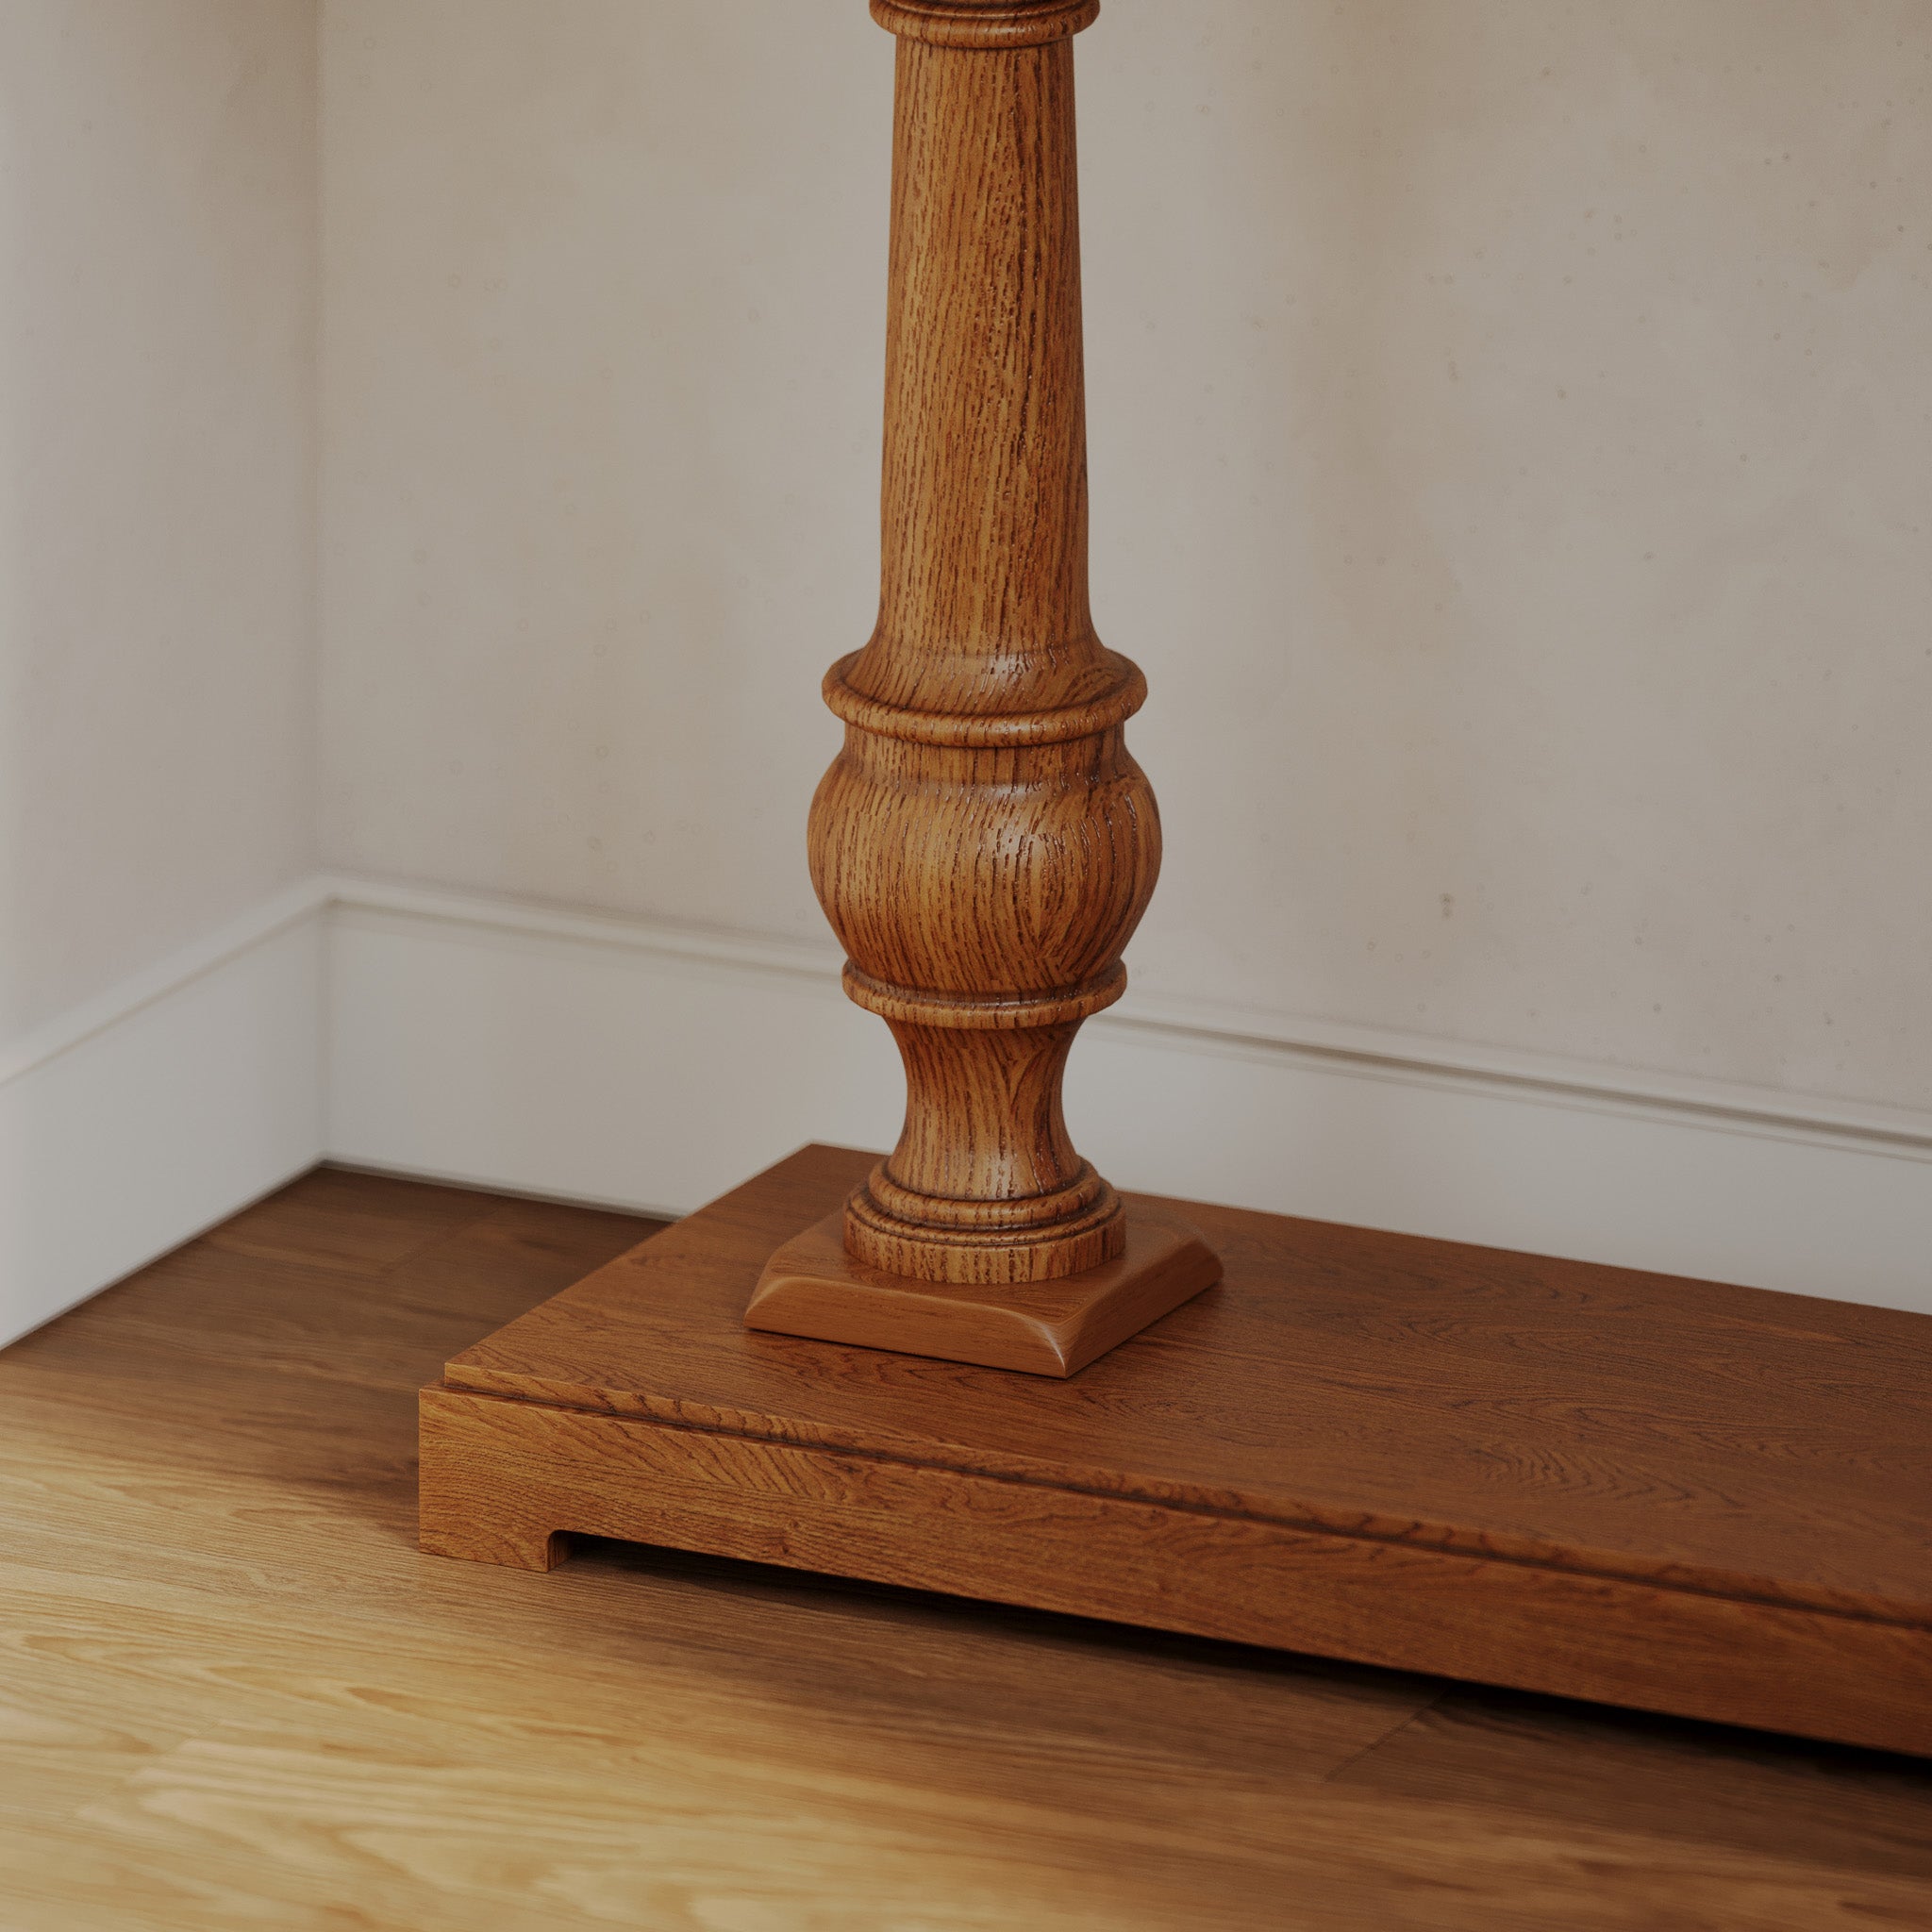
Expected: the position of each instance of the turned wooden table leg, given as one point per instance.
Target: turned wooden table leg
(984, 844)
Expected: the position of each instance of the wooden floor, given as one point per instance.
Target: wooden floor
(232, 1693)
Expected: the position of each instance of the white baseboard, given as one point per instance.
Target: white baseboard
(160, 1109)
(599, 1060)
(645, 1066)
(652, 1067)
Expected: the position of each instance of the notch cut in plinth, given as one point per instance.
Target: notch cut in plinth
(812, 1287)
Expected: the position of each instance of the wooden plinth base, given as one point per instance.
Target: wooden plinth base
(812, 1287)
(1683, 1497)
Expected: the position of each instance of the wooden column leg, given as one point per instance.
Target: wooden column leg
(984, 844)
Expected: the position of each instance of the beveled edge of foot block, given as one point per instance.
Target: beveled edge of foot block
(812, 1287)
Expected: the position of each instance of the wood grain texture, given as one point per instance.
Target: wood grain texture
(233, 1694)
(984, 845)
(1672, 1494)
(813, 1285)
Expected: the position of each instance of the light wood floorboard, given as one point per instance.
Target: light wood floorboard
(233, 1693)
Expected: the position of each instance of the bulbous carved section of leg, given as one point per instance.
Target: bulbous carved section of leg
(983, 894)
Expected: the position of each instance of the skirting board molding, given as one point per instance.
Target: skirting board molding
(160, 1107)
(653, 1067)
(502, 1045)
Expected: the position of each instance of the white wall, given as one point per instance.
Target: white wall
(157, 318)
(157, 719)
(1510, 466)
(601, 359)
(1510, 460)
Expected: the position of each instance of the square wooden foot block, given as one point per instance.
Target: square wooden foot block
(1668, 1494)
(812, 1287)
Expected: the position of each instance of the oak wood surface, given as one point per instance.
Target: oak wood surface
(813, 1285)
(1675, 1495)
(233, 1694)
(1424, 1391)
(984, 844)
